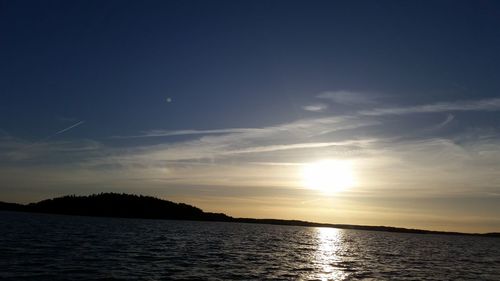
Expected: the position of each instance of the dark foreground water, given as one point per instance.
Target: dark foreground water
(52, 247)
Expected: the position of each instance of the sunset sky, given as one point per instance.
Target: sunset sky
(393, 107)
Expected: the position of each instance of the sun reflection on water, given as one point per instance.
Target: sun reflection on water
(327, 255)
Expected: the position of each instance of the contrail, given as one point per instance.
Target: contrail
(69, 128)
(63, 130)
(28, 146)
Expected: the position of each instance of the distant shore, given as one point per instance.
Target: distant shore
(147, 207)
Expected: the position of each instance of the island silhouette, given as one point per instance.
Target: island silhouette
(123, 205)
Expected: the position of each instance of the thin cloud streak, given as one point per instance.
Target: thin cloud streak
(167, 133)
(23, 150)
(265, 139)
(272, 148)
(448, 120)
(346, 98)
(305, 127)
(317, 107)
(479, 105)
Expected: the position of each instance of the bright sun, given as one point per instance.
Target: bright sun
(328, 176)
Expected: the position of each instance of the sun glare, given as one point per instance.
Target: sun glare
(328, 176)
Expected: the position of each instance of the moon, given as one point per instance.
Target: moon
(328, 176)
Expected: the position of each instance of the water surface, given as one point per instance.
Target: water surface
(55, 247)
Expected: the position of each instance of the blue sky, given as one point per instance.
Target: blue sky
(219, 104)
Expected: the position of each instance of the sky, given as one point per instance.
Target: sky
(224, 104)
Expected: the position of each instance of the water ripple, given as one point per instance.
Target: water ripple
(51, 247)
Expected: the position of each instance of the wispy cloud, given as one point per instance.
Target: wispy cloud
(13, 150)
(317, 107)
(272, 148)
(448, 120)
(18, 149)
(472, 105)
(169, 133)
(303, 128)
(227, 156)
(295, 135)
(347, 97)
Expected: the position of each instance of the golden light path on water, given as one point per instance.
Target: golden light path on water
(327, 255)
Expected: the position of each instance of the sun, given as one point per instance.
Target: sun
(328, 176)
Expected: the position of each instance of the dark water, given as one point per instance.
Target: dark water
(51, 247)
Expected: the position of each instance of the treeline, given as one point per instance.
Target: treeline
(147, 207)
(117, 205)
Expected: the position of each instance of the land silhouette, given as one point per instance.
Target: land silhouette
(147, 207)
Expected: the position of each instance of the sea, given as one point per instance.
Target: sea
(58, 247)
